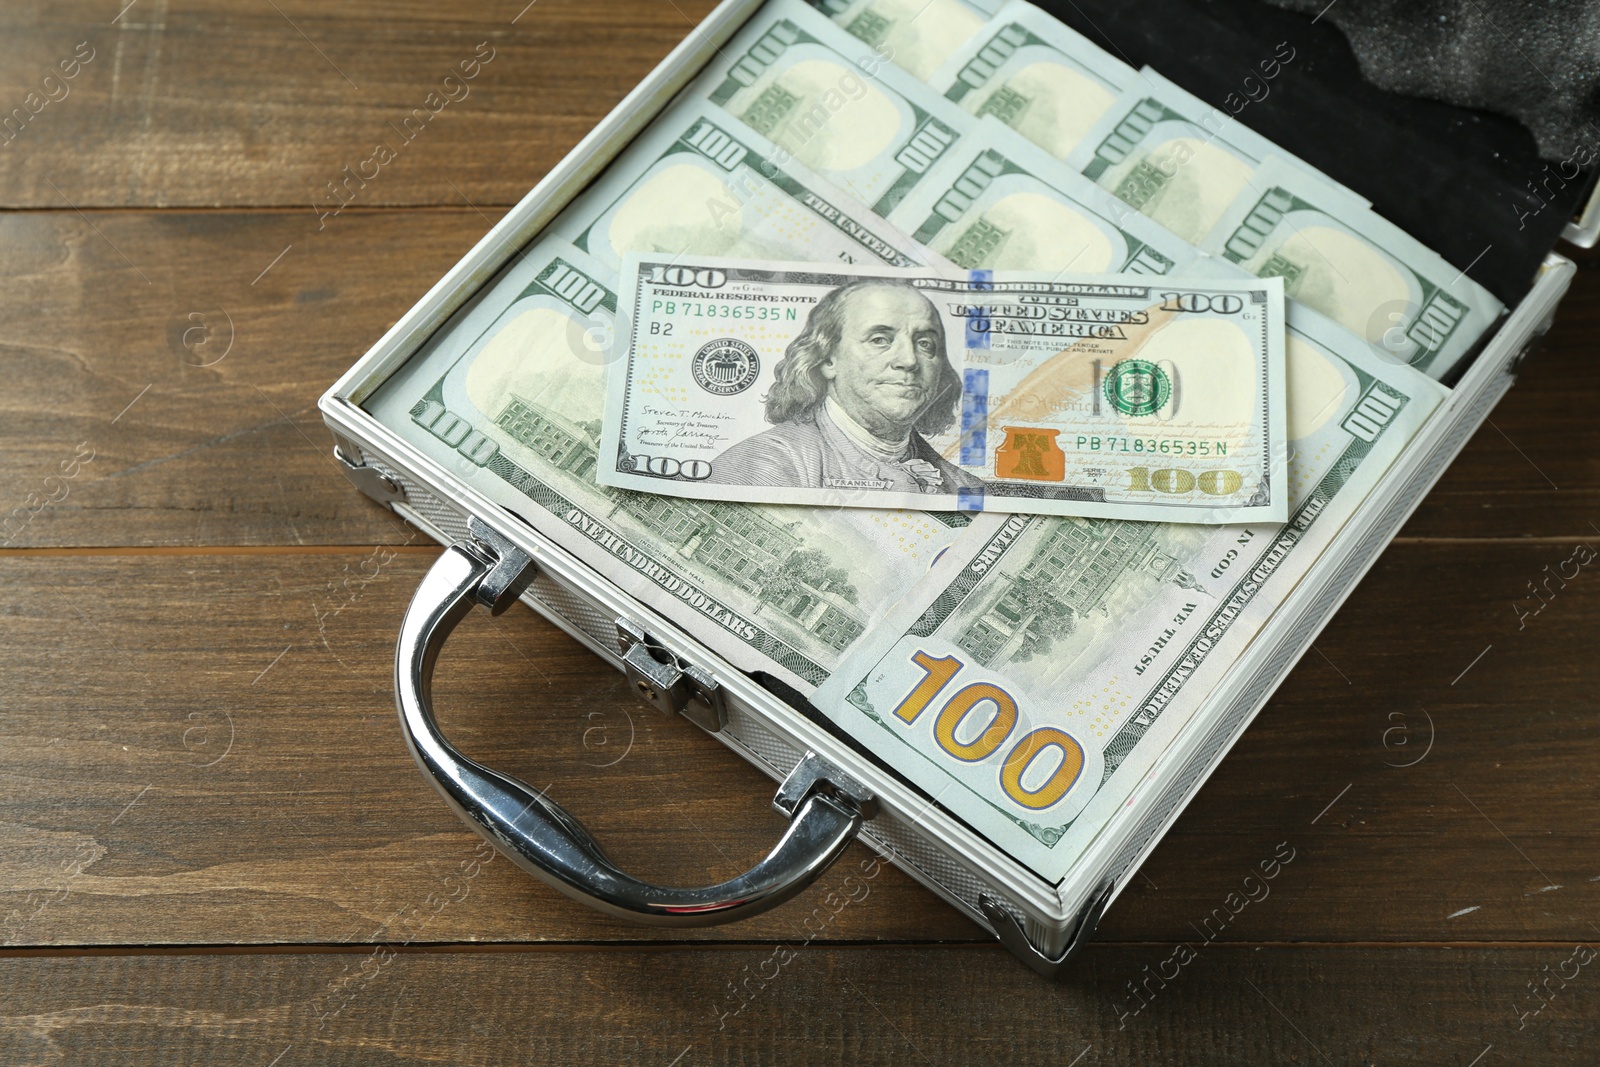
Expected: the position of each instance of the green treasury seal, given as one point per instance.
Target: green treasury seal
(1137, 387)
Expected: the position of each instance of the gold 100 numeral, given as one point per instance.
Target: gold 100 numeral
(1178, 480)
(938, 672)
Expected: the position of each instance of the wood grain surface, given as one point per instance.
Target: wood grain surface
(215, 849)
(218, 103)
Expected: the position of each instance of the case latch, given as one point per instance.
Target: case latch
(370, 480)
(668, 682)
(1535, 339)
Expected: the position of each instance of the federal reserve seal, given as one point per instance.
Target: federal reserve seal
(726, 366)
(1137, 387)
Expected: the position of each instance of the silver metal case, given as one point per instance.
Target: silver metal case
(1040, 921)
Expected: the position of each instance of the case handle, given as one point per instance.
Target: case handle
(826, 807)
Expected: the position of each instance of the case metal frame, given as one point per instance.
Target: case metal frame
(1584, 230)
(1042, 923)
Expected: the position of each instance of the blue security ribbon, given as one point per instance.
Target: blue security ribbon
(974, 417)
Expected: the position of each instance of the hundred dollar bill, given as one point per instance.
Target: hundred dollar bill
(1063, 394)
(698, 182)
(1000, 203)
(1355, 267)
(1033, 680)
(507, 397)
(916, 35)
(1044, 80)
(1174, 157)
(831, 102)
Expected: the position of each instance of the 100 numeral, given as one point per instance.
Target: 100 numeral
(1177, 480)
(938, 672)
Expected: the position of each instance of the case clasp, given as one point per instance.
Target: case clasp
(667, 681)
(370, 480)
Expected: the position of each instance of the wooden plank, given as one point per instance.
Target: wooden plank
(222, 104)
(234, 452)
(1429, 732)
(811, 1004)
(226, 768)
(233, 773)
(164, 346)
(1534, 467)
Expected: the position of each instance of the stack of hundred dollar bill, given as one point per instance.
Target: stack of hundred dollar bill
(988, 392)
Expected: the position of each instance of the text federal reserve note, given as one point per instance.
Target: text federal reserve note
(1120, 396)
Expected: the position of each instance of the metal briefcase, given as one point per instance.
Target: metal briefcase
(831, 790)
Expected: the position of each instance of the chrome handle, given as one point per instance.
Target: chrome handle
(542, 837)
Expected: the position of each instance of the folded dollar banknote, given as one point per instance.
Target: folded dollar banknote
(1104, 395)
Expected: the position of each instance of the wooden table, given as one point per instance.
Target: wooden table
(214, 848)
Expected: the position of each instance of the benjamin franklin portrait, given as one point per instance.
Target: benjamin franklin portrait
(855, 393)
